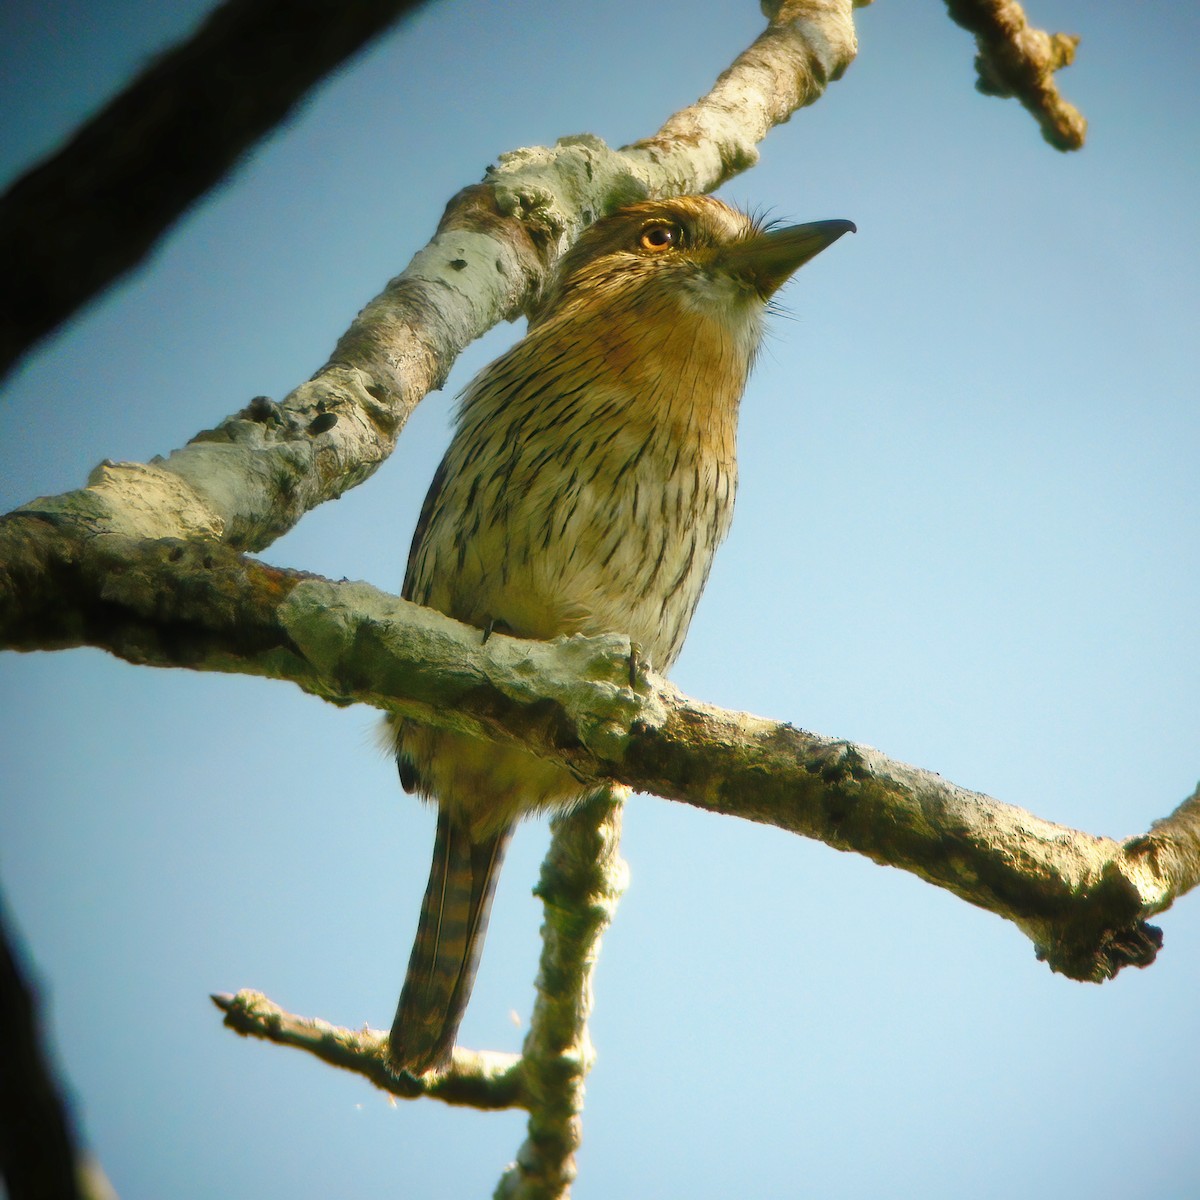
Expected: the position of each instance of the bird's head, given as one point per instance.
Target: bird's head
(690, 252)
(663, 301)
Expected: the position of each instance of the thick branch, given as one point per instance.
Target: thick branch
(1083, 900)
(81, 219)
(1019, 61)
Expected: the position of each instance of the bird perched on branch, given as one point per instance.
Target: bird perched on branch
(588, 483)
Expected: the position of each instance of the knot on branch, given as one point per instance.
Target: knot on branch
(1135, 946)
(552, 190)
(1026, 63)
(1103, 933)
(838, 762)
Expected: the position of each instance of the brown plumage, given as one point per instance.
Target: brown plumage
(589, 481)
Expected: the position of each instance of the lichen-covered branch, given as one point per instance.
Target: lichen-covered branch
(807, 45)
(77, 221)
(582, 879)
(1018, 61)
(1082, 899)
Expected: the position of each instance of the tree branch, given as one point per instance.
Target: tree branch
(81, 219)
(583, 878)
(477, 1079)
(807, 45)
(1019, 61)
(1083, 900)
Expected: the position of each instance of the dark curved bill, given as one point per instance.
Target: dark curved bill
(766, 260)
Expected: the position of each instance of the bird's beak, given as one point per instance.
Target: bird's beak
(766, 260)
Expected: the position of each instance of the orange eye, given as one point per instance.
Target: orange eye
(657, 238)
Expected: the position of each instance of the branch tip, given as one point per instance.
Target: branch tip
(1018, 61)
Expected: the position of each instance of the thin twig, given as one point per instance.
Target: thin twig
(476, 1079)
(1017, 60)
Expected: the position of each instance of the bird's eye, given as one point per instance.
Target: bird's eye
(659, 237)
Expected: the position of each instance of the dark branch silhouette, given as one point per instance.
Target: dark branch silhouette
(83, 217)
(39, 1155)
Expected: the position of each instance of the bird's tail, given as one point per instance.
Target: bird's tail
(445, 955)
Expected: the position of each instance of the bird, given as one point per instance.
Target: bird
(589, 479)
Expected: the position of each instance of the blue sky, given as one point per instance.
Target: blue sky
(965, 535)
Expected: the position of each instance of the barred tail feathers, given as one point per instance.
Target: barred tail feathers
(445, 954)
